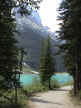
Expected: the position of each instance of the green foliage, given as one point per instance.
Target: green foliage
(8, 43)
(35, 87)
(69, 83)
(22, 100)
(47, 65)
(80, 94)
(55, 84)
(70, 35)
(8, 48)
(23, 4)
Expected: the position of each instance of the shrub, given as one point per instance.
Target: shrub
(34, 88)
(6, 103)
(55, 84)
(69, 83)
(80, 94)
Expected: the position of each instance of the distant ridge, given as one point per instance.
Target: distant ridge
(31, 32)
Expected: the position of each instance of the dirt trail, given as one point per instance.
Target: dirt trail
(53, 99)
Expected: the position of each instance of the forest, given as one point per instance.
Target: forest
(12, 92)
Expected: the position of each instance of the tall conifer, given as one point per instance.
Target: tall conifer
(70, 16)
(47, 63)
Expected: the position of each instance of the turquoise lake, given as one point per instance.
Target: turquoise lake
(27, 79)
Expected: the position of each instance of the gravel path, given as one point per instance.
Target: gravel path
(53, 99)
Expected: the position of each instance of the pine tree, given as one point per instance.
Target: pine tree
(8, 47)
(70, 33)
(47, 65)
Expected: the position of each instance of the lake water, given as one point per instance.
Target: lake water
(27, 79)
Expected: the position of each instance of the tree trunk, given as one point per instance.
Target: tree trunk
(15, 85)
(76, 78)
(79, 82)
(16, 97)
(75, 87)
(76, 81)
(49, 84)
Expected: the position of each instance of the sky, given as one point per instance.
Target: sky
(48, 13)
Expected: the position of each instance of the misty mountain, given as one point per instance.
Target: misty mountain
(31, 32)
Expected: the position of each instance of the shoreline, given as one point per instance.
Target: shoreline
(35, 72)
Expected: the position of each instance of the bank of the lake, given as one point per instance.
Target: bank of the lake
(28, 79)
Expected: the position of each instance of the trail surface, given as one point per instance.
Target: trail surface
(53, 99)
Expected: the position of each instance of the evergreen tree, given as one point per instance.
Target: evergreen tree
(70, 33)
(8, 47)
(47, 65)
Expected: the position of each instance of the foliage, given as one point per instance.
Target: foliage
(69, 83)
(22, 100)
(8, 43)
(8, 48)
(35, 87)
(70, 35)
(55, 84)
(47, 65)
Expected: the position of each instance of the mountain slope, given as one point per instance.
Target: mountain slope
(31, 32)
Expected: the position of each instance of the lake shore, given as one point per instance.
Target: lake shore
(31, 72)
(35, 72)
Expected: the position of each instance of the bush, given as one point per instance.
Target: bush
(80, 94)
(55, 84)
(69, 83)
(34, 88)
(10, 103)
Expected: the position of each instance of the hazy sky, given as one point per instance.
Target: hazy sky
(48, 13)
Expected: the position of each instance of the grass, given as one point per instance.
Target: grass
(6, 103)
(32, 89)
(76, 100)
(36, 87)
(69, 83)
(25, 92)
(23, 95)
(55, 84)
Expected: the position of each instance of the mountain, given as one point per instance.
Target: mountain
(31, 32)
(35, 17)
